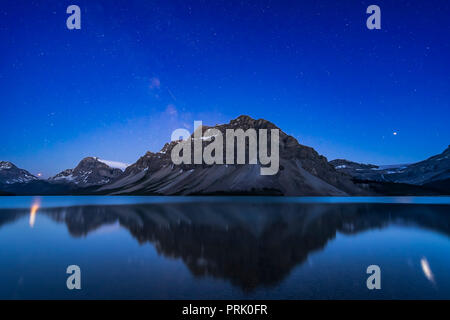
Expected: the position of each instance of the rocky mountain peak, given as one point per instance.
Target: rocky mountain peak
(6, 165)
(245, 122)
(90, 171)
(302, 171)
(88, 160)
(10, 174)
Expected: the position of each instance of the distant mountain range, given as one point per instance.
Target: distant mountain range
(433, 172)
(303, 172)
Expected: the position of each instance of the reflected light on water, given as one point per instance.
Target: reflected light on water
(221, 249)
(33, 210)
(426, 269)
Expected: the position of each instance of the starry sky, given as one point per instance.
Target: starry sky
(138, 69)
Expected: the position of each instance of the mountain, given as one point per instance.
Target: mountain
(364, 171)
(91, 171)
(432, 172)
(302, 171)
(10, 174)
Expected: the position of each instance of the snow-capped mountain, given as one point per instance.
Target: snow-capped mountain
(89, 172)
(366, 171)
(302, 172)
(10, 174)
(433, 170)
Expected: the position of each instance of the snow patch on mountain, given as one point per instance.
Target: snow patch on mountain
(115, 164)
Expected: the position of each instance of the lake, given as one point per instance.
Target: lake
(224, 247)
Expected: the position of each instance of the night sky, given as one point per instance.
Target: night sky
(139, 69)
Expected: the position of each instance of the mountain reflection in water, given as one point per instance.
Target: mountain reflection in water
(250, 244)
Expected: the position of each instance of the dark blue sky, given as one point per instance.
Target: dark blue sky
(139, 69)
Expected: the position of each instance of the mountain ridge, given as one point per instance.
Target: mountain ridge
(426, 172)
(10, 174)
(302, 172)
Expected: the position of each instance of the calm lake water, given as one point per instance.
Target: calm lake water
(224, 247)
